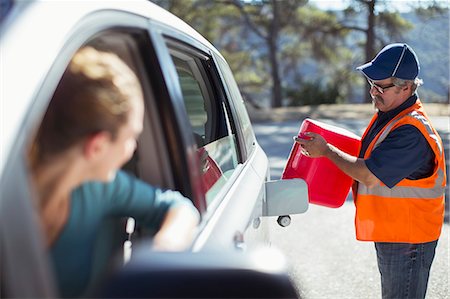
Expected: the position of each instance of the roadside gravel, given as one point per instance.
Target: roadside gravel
(332, 111)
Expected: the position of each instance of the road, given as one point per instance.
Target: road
(325, 259)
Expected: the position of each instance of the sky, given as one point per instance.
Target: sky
(330, 4)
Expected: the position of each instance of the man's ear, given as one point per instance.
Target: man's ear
(96, 145)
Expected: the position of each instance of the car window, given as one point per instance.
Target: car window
(109, 239)
(209, 118)
(238, 103)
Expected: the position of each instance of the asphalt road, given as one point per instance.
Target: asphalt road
(325, 259)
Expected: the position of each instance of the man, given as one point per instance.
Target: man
(399, 175)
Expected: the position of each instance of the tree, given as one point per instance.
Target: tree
(278, 46)
(290, 29)
(219, 22)
(436, 11)
(253, 36)
(320, 42)
(267, 19)
(380, 26)
(203, 15)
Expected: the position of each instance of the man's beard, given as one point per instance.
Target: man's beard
(377, 98)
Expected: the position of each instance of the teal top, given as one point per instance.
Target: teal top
(74, 253)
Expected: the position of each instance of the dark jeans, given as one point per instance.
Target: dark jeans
(404, 268)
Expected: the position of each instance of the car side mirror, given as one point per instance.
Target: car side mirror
(222, 274)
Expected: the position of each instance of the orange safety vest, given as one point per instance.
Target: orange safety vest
(413, 210)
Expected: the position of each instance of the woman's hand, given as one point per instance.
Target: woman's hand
(178, 229)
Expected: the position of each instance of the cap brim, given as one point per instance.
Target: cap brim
(373, 72)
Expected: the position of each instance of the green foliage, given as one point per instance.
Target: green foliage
(271, 42)
(393, 24)
(250, 73)
(263, 14)
(434, 8)
(321, 31)
(205, 16)
(313, 93)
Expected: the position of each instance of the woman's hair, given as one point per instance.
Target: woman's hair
(93, 96)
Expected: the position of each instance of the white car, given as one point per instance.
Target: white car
(197, 139)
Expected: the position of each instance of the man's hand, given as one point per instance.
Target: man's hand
(313, 145)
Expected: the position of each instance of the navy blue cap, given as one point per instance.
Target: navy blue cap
(394, 60)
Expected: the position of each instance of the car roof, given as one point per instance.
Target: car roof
(32, 35)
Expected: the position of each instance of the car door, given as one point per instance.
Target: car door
(231, 168)
(32, 78)
(194, 138)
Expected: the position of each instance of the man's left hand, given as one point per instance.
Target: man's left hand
(313, 145)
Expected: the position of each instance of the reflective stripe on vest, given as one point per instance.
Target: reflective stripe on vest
(417, 116)
(406, 192)
(413, 210)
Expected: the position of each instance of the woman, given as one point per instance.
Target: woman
(89, 131)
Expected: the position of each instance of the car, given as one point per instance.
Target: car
(197, 139)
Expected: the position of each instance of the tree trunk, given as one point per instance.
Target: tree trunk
(370, 38)
(276, 82)
(272, 40)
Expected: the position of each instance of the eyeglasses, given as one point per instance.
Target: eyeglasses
(379, 88)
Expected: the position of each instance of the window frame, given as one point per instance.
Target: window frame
(37, 273)
(195, 64)
(247, 147)
(208, 73)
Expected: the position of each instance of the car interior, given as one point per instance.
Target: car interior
(150, 162)
(217, 139)
(211, 126)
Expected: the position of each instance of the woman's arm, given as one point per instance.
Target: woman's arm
(178, 229)
(171, 216)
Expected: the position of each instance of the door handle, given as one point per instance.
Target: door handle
(239, 242)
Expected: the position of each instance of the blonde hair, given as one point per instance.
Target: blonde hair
(93, 96)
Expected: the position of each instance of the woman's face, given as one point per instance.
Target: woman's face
(121, 149)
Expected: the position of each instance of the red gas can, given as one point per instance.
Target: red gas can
(327, 184)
